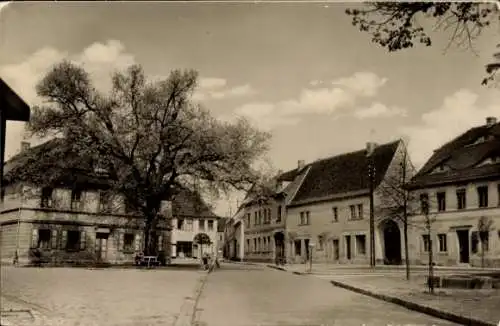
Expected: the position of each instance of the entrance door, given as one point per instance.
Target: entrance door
(101, 246)
(336, 251)
(348, 247)
(463, 245)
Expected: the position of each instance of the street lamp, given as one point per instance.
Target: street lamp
(311, 246)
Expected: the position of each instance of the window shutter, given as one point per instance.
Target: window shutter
(121, 241)
(160, 242)
(137, 242)
(64, 239)
(83, 240)
(34, 238)
(54, 239)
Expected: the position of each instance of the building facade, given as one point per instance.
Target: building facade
(460, 185)
(264, 218)
(193, 220)
(235, 236)
(328, 217)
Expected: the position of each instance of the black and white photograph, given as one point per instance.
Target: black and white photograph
(249, 163)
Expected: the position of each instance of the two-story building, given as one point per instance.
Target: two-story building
(193, 220)
(461, 183)
(264, 214)
(78, 219)
(331, 208)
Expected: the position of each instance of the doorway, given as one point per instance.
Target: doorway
(336, 250)
(101, 246)
(463, 245)
(348, 247)
(306, 244)
(392, 243)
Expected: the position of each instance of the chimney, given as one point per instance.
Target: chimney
(300, 164)
(370, 148)
(24, 146)
(490, 121)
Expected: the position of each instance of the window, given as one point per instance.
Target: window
(361, 244)
(76, 199)
(304, 218)
(260, 217)
(256, 220)
(188, 226)
(201, 225)
(353, 212)
(210, 225)
(307, 217)
(105, 202)
(180, 223)
(360, 211)
(46, 198)
(43, 239)
(128, 242)
(443, 246)
(249, 216)
(301, 221)
(461, 199)
(441, 199)
(259, 248)
(335, 212)
(474, 242)
(424, 203)
(278, 218)
(248, 244)
(75, 240)
(482, 193)
(427, 242)
(254, 245)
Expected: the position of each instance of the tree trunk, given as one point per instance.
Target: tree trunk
(407, 258)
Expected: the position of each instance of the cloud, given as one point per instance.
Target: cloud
(215, 88)
(379, 110)
(323, 100)
(458, 112)
(99, 59)
(212, 83)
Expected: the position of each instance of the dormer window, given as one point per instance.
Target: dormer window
(440, 168)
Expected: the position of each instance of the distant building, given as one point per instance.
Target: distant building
(264, 217)
(461, 184)
(235, 235)
(193, 220)
(221, 230)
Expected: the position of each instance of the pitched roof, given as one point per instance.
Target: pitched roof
(343, 174)
(461, 156)
(188, 203)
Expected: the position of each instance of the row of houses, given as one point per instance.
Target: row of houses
(80, 221)
(322, 209)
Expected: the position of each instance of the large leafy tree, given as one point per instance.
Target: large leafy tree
(395, 25)
(149, 137)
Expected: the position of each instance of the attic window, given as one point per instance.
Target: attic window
(440, 168)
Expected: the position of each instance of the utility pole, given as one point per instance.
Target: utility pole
(371, 174)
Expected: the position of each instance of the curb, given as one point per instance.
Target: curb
(415, 306)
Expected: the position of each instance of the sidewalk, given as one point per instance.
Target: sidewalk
(466, 307)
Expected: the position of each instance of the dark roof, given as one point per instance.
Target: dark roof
(343, 174)
(189, 203)
(460, 158)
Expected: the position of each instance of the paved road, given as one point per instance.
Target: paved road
(246, 295)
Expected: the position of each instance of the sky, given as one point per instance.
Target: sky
(298, 70)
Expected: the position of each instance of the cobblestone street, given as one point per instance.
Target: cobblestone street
(65, 296)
